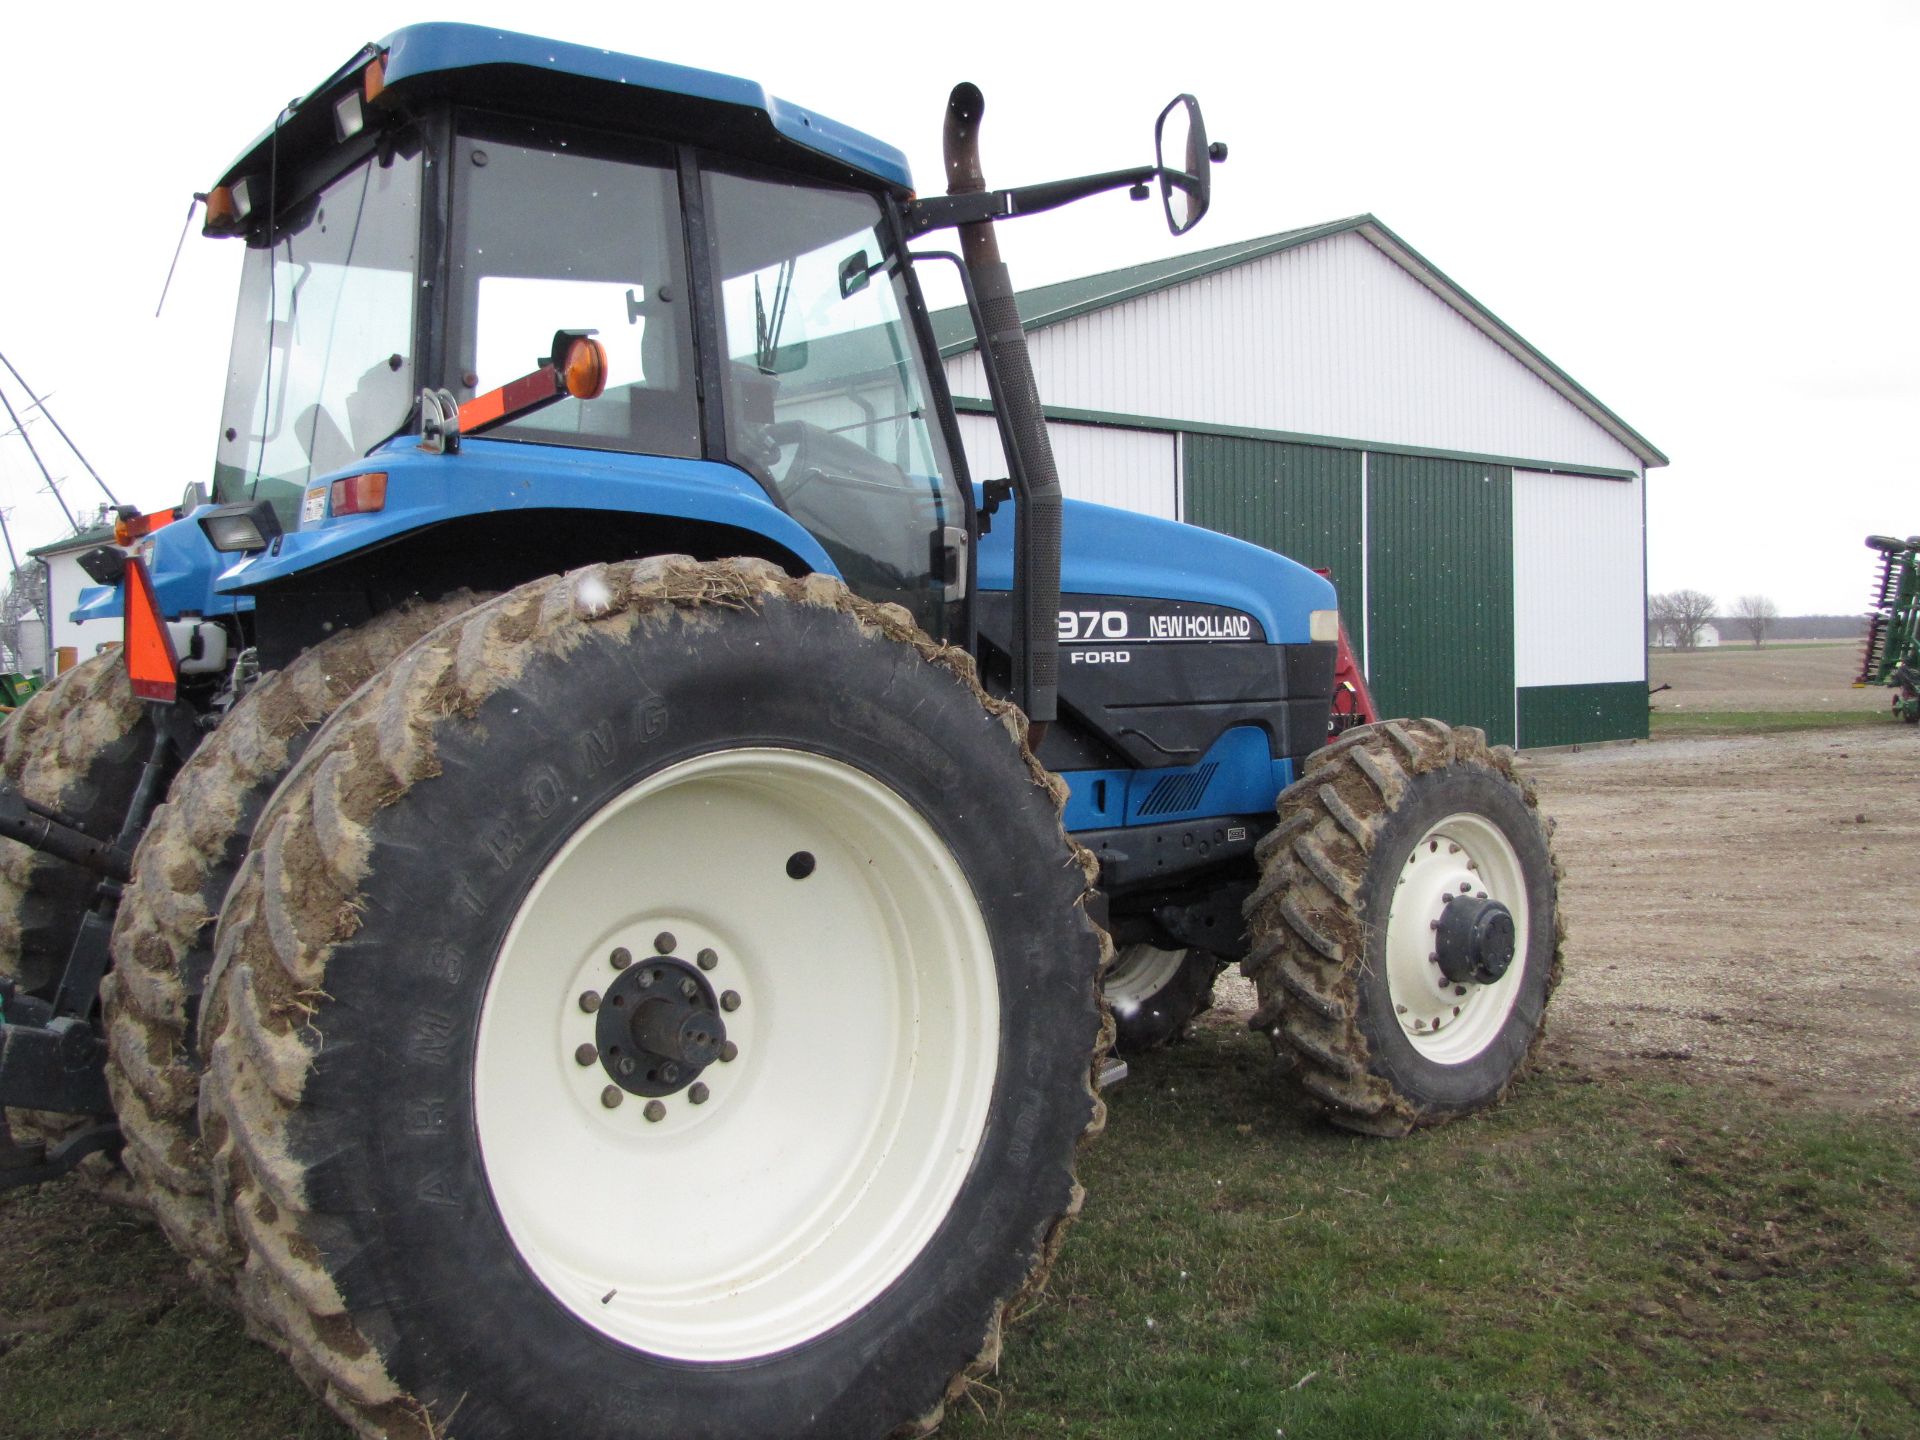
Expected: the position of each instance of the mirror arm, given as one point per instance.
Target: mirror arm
(938, 211)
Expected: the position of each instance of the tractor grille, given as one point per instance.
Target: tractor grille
(1177, 793)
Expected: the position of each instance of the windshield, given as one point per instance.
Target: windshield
(322, 363)
(827, 389)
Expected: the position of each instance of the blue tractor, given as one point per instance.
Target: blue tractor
(585, 897)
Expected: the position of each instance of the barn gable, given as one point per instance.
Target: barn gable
(1338, 332)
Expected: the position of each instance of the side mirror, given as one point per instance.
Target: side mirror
(1185, 186)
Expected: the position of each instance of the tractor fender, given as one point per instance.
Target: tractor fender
(494, 477)
(184, 568)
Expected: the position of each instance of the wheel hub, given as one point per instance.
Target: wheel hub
(1474, 941)
(659, 1027)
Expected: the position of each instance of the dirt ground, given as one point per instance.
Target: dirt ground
(1773, 677)
(1741, 909)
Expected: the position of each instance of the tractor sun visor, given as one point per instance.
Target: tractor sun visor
(246, 526)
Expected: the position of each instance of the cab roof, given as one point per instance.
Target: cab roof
(602, 89)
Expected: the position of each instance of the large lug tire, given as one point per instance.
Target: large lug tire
(1391, 830)
(460, 1206)
(1154, 993)
(78, 746)
(163, 934)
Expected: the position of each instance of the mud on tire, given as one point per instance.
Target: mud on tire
(1342, 925)
(455, 1216)
(163, 934)
(78, 746)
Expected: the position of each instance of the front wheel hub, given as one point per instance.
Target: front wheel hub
(1474, 941)
(658, 1027)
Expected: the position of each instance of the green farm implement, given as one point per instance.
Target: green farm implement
(1892, 655)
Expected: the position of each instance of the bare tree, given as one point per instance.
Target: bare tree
(1755, 613)
(1678, 615)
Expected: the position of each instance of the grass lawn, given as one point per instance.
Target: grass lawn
(1598, 1258)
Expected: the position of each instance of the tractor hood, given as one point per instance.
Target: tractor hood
(1117, 552)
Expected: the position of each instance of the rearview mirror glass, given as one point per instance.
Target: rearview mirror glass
(1180, 152)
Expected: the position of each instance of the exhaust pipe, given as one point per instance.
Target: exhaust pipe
(1023, 433)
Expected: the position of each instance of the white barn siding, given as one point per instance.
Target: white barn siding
(1578, 580)
(1132, 469)
(1332, 338)
(65, 581)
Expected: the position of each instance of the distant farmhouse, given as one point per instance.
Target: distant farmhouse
(1663, 635)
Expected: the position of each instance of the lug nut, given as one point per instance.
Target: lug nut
(625, 1067)
(664, 942)
(1433, 957)
(707, 959)
(730, 1000)
(1459, 989)
(1399, 1009)
(646, 978)
(689, 989)
(655, 1111)
(612, 1096)
(1453, 849)
(1464, 887)
(728, 1052)
(585, 1055)
(621, 958)
(590, 1001)
(698, 1094)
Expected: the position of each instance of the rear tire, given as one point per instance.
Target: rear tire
(78, 746)
(163, 934)
(577, 790)
(1387, 828)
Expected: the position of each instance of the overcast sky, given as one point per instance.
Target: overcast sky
(1704, 213)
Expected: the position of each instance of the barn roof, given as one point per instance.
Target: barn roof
(1046, 305)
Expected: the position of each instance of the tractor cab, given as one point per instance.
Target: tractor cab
(737, 262)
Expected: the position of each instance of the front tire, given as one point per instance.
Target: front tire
(1406, 932)
(471, 1189)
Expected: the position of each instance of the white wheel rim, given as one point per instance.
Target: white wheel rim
(1446, 1022)
(832, 1146)
(1139, 973)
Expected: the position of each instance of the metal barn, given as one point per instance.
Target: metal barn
(1331, 395)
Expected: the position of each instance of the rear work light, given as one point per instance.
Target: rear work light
(359, 494)
(245, 526)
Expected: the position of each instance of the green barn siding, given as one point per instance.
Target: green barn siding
(1300, 500)
(1440, 590)
(1582, 714)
